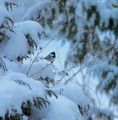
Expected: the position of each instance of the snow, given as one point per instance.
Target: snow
(34, 10)
(11, 93)
(57, 109)
(105, 9)
(22, 8)
(18, 40)
(73, 92)
(4, 14)
(30, 27)
(17, 43)
(2, 2)
(19, 83)
(63, 105)
(38, 70)
(13, 66)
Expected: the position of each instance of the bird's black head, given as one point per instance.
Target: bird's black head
(53, 54)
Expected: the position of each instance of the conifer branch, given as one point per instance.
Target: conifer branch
(3, 65)
(49, 10)
(89, 63)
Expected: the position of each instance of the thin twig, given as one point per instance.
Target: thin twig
(52, 38)
(66, 73)
(4, 65)
(89, 63)
(49, 10)
(40, 52)
(36, 73)
(47, 44)
(96, 96)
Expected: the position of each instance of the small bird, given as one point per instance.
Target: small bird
(51, 57)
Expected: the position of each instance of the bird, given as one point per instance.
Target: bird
(50, 57)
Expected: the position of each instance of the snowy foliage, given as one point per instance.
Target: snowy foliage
(25, 91)
(91, 27)
(107, 76)
(29, 91)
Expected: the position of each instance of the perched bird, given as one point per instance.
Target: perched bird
(51, 57)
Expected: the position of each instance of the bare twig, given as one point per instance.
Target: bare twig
(92, 98)
(50, 40)
(47, 45)
(40, 52)
(36, 73)
(53, 37)
(89, 63)
(66, 73)
(49, 10)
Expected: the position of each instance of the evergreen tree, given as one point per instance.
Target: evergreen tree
(21, 96)
(10, 35)
(91, 27)
(84, 40)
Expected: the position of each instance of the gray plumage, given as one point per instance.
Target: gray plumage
(51, 57)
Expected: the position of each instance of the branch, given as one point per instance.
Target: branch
(89, 63)
(52, 38)
(36, 73)
(4, 65)
(40, 52)
(49, 10)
